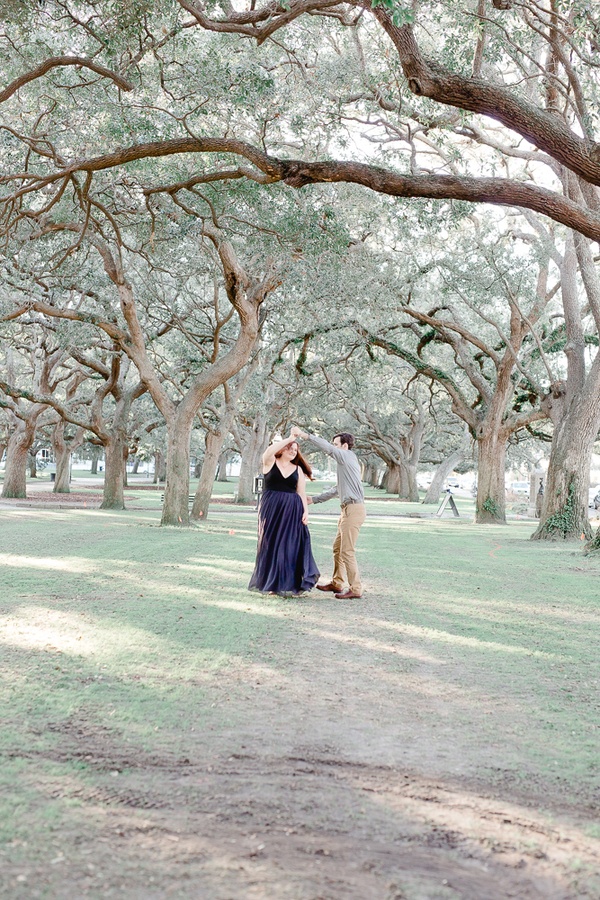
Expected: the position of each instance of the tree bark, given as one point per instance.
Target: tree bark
(412, 489)
(177, 485)
(62, 456)
(213, 443)
(564, 514)
(15, 472)
(114, 496)
(125, 473)
(17, 451)
(252, 452)
(375, 480)
(160, 470)
(403, 487)
(491, 490)
(222, 466)
(392, 478)
(576, 414)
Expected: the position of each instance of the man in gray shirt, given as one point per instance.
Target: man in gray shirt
(350, 491)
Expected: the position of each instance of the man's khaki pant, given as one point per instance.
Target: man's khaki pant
(345, 568)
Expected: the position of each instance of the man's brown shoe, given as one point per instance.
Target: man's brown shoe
(348, 595)
(327, 587)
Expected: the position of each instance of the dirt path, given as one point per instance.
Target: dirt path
(313, 827)
(308, 828)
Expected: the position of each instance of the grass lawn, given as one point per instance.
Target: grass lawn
(167, 733)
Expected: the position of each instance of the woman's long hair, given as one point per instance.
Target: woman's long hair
(299, 460)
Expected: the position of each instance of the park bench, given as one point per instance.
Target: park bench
(190, 498)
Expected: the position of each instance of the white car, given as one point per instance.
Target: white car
(519, 487)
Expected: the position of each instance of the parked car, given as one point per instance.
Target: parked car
(519, 487)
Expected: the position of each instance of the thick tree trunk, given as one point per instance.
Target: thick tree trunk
(403, 487)
(441, 473)
(136, 465)
(63, 472)
(116, 448)
(62, 456)
(213, 443)
(375, 480)
(113, 497)
(412, 443)
(17, 452)
(160, 467)
(222, 467)
(491, 491)
(392, 478)
(177, 485)
(96, 451)
(32, 462)
(251, 461)
(412, 489)
(403, 483)
(576, 419)
(565, 506)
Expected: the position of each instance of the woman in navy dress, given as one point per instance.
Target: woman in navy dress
(284, 560)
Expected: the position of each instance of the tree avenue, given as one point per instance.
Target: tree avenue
(189, 183)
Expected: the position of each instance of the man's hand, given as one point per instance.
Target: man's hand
(297, 432)
(309, 500)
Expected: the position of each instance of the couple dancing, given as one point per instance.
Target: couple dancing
(284, 560)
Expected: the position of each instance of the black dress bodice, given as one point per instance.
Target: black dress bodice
(274, 480)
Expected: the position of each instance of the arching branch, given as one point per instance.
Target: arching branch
(298, 173)
(54, 62)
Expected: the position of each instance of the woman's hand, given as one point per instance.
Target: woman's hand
(305, 519)
(269, 455)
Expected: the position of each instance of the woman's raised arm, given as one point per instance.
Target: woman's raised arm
(271, 451)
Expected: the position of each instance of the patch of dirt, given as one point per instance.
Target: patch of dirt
(50, 499)
(87, 499)
(300, 827)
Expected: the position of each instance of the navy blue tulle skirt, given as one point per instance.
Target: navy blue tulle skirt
(284, 560)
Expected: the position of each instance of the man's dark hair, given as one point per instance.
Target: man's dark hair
(345, 438)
